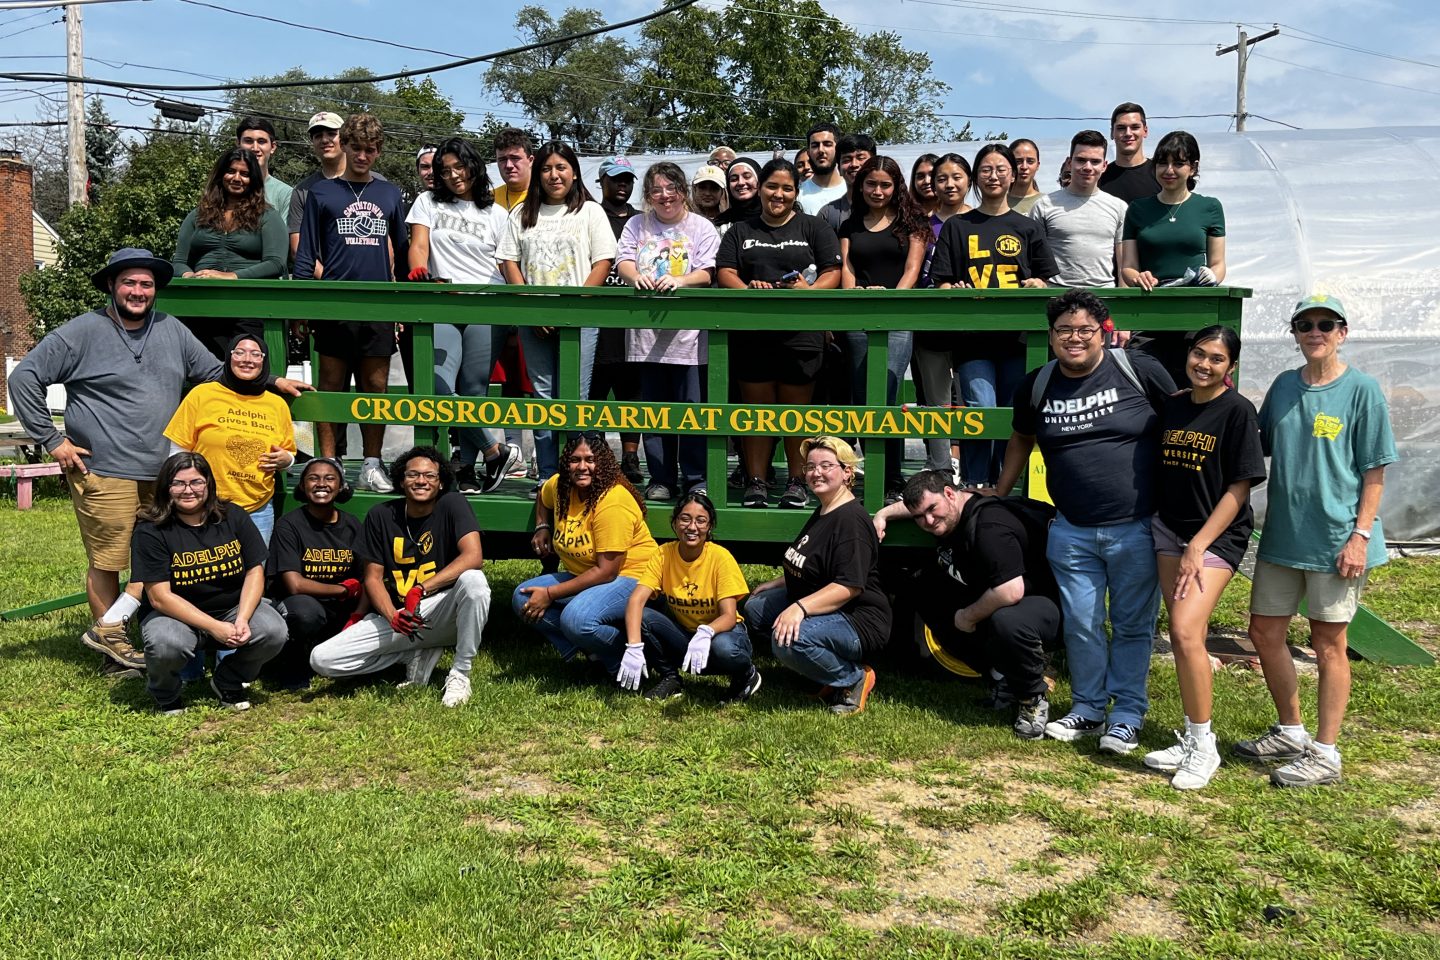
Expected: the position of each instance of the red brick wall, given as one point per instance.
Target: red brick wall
(17, 256)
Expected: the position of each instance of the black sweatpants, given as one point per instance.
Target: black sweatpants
(1012, 641)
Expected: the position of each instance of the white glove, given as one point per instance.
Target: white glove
(697, 655)
(632, 667)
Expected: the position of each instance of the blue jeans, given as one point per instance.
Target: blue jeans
(542, 365)
(666, 642)
(194, 669)
(591, 620)
(898, 346)
(464, 358)
(264, 519)
(828, 649)
(1088, 563)
(986, 382)
(673, 383)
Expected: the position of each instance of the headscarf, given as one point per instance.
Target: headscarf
(741, 210)
(249, 388)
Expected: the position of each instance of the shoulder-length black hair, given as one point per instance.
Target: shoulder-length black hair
(161, 511)
(907, 220)
(464, 151)
(1177, 146)
(574, 200)
(250, 206)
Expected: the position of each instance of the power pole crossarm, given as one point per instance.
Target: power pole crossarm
(75, 105)
(1241, 49)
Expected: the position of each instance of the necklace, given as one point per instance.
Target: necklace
(1177, 206)
(353, 193)
(123, 334)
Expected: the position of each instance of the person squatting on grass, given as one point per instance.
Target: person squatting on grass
(423, 578)
(593, 519)
(692, 585)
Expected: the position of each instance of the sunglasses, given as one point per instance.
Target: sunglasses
(1305, 326)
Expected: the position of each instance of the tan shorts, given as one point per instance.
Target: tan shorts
(105, 508)
(1329, 597)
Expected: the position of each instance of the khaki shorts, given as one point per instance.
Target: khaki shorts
(105, 508)
(1330, 598)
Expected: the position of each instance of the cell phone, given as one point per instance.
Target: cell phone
(790, 277)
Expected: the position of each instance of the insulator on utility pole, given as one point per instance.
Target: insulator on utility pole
(1242, 46)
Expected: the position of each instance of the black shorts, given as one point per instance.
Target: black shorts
(789, 358)
(352, 341)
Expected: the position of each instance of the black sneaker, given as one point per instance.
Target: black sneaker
(736, 480)
(1072, 726)
(1000, 696)
(742, 688)
(466, 481)
(796, 496)
(659, 493)
(111, 670)
(668, 688)
(892, 496)
(236, 700)
(1121, 738)
(630, 467)
(170, 708)
(757, 494)
(497, 468)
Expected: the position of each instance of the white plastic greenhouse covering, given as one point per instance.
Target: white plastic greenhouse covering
(1347, 212)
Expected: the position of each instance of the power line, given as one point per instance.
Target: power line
(1327, 42)
(1346, 76)
(1280, 122)
(38, 26)
(307, 26)
(998, 8)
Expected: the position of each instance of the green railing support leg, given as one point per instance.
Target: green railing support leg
(717, 375)
(423, 340)
(876, 374)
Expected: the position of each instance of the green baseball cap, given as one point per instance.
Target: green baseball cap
(1320, 301)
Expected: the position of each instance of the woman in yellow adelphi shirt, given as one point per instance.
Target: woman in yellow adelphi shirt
(698, 629)
(593, 519)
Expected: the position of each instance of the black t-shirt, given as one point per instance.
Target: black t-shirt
(758, 251)
(991, 252)
(877, 258)
(1100, 438)
(204, 565)
(1205, 447)
(413, 549)
(996, 540)
(323, 552)
(610, 341)
(841, 547)
(1130, 183)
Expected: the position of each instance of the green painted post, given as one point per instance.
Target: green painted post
(876, 377)
(718, 389)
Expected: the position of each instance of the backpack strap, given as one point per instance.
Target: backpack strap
(1042, 380)
(1118, 354)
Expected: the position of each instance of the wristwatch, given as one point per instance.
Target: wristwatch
(1362, 533)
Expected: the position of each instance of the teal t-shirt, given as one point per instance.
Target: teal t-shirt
(1320, 441)
(1167, 249)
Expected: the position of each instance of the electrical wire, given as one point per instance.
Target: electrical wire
(1309, 37)
(1279, 122)
(1345, 76)
(307, 26)
(37, 26)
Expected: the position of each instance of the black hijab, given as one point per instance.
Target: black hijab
(249, 388)
(741, 210)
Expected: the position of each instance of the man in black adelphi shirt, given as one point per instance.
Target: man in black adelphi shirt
(422, 574)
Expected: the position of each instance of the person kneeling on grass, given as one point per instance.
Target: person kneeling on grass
(201, 563)
(422, 575)
(700, 585)
(991, 599)
(827, 611)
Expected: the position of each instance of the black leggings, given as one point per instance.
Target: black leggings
(1012, 641)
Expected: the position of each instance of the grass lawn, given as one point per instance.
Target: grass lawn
(554, 819)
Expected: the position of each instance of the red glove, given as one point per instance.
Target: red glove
(355, 618)
(413, 598)
(352, 588)
(406, 624)
(419, 275)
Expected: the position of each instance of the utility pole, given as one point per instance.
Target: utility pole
(1241, 49)
(75, 105)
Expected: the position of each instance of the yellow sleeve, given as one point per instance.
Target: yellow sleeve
(653, 574)
(614, 523)
(547, 492)
(183, 430)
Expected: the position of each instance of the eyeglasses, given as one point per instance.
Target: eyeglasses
(1326, 326)
(417, 475)
(248, 354)
(826, 467)
(663, 192)
(197, 485)
(1083, 334)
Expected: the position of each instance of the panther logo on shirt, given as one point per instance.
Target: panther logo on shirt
(689, 587)
(1007, 245)
(1327, 427)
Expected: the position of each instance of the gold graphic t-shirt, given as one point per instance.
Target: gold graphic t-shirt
(616, 525)
(693, 591)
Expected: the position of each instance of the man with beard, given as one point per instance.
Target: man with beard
(124, 368)
(826, 182)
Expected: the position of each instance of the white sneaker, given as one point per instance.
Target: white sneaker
(1202, 759)
(955, 470)
(421, 665)
(1169, 759)
(374, 478)
(457, 689)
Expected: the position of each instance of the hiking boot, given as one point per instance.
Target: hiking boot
(111, 670)
(796, 496)
(1201, 760)
(742, 687)
(1072, 727)
(852, 699)
(500, 466)
(1030, 721)
(420, 665)
(668, 688)
(374, 478)
(756, 493)
(1000, 696)
(1272, 745)
(1121, 738)
(1312, 769)
(659, 493)
(236, 700)
(1169, 759)
(457, 688)
(630, 467)
(466, 481)
(112, 640)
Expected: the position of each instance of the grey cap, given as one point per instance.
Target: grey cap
(128, 258)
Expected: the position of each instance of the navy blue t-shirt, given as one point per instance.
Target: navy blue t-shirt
(346, 226)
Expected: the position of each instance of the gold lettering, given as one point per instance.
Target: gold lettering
(980, 279)
(355, 408)
(740, 420)
(974, 251)
(382, 409)
(688, 419)
(487, 413)
(398, 551)
(655, 418)
(559, 415)
(629, 418)
(791, 421)
(764, 421)
(584, 415)
(974, 422)
(605, 417)
(1007, 275)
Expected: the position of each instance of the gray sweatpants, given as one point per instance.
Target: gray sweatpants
(455, 617)
(169, 644)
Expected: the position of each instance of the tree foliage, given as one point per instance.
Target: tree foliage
(103, 148)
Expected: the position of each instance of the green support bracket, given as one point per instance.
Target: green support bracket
(47, 606)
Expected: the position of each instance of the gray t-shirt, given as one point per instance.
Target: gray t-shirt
(1083, 232)
(121, 388)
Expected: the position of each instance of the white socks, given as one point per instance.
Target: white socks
(1296, 732)
(372, 462)
(1197, 730)
(121, 610)
(1327, 750)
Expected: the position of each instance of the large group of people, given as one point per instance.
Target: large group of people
(1150, 480)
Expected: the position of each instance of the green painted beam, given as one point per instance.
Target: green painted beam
(48, 606)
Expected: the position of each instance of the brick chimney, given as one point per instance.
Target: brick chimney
(17, 255)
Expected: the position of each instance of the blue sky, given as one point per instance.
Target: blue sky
(1071, 60)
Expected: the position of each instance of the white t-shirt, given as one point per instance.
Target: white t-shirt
(562, 246)
(658, 249)
(1082, 232)
(463, 238)
(813, 197)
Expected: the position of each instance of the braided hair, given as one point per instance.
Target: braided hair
(607, 474)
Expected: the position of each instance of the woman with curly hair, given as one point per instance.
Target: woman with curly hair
(593, 520)
(232, 235)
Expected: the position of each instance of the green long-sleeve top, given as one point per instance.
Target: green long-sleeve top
(249, 254)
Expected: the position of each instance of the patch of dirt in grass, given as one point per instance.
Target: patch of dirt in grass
(1141, 917)
(1423, 815)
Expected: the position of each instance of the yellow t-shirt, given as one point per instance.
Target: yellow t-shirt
(233, 432)
(693, 591)
(616, 525)
(508, 198)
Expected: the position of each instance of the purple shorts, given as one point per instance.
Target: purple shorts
(1169, 545)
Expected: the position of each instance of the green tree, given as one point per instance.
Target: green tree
(103, 148)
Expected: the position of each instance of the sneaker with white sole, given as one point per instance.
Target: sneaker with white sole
(374, 478)
(742, 687)
(1031, 719)
(1272, 745)
(1312, 769)
(796, 495)
(420, 665)
(1202, 759)
(1071, 727)
(1169, 759)
(236, 700)
(457, 688)
(497, 468)
(1121, 738)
